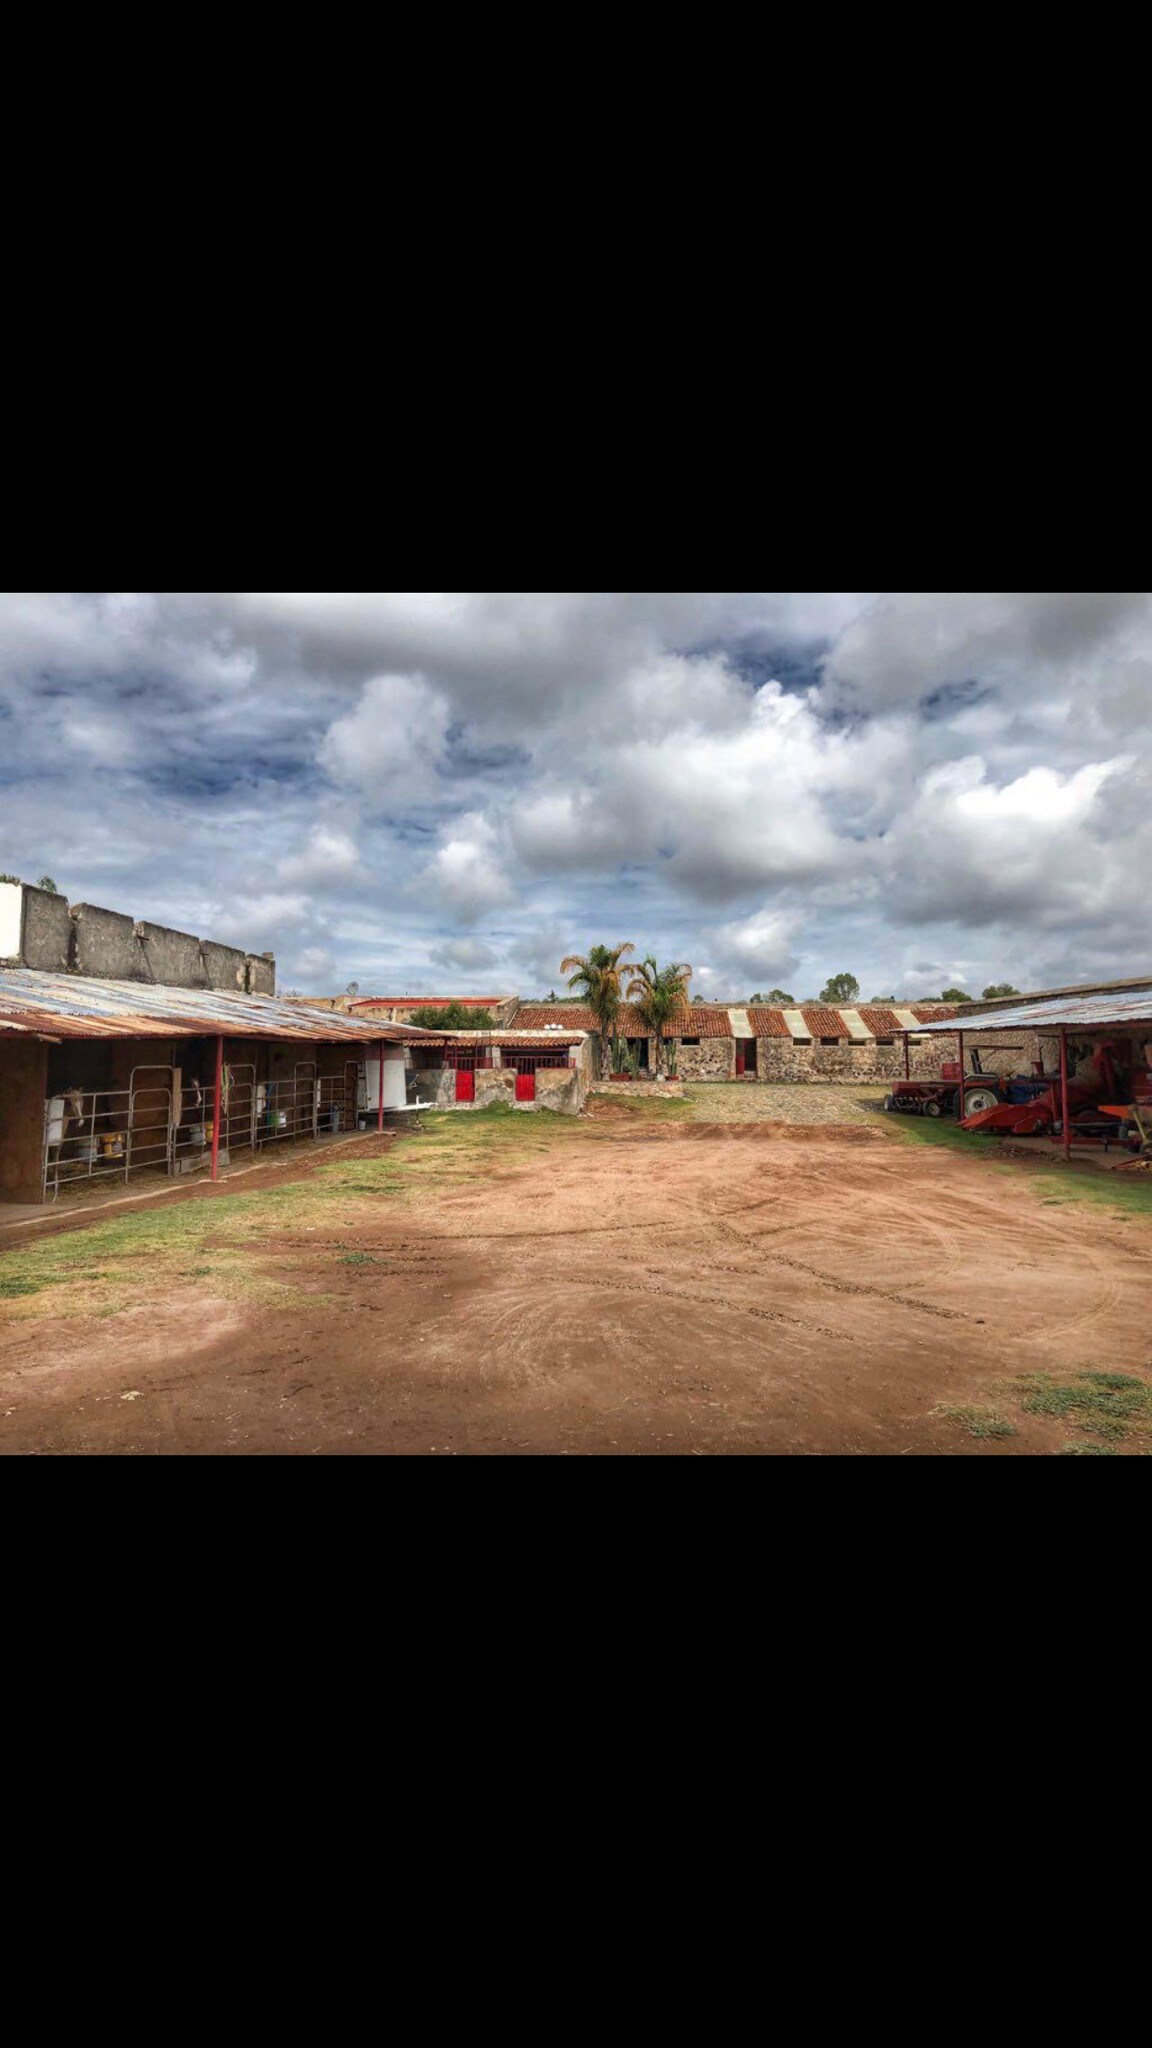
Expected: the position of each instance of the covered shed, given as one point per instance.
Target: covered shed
(1095, 1050)
(103, 1079)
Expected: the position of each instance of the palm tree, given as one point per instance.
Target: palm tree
(597, 979)
(659, 994)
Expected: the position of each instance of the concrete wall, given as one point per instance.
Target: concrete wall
(35, 928)
(261, 973)
(23, 1091)
(104, 944)
(172, 958)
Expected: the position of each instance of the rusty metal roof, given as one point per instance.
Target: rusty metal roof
(1090, 1013)
(80, 1006)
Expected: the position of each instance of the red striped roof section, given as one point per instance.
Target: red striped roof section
(879, 1020)
(702, 1022)
(933, 1013)
(824, 1023)
(768, 1023)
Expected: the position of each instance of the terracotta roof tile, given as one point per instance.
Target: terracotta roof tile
(823, 1022)
(879, 1019)
(538, 1016)
(768, 1023)
(932, 1013)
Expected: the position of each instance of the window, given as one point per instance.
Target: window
(689, 1041)
(801, 1041)
(829, 1041)
(885, 1041)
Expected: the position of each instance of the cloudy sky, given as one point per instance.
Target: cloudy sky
(447, 793)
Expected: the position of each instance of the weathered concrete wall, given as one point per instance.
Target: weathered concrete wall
(564, 1089)
(23, 1091)
(47, 932)
(261, 974)
(224, 967)
(172, 958)
(105, 944)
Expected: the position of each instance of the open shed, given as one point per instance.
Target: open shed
(103, 1080)
(1095, 1055)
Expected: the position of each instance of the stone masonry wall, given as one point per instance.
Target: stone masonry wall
(714, 1059)
(1007, 1052)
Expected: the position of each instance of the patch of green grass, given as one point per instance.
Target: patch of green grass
(13, 1285)
(224, 1235)
(1110, 1404)
(979, 1422)
(1126, 1194)
(1087, 1451)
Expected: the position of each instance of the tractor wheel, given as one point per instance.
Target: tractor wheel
(889, 1102)
(978, 1099)
(933, 1106)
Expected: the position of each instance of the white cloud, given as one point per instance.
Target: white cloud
(392, 745)
(330, 856)
(467, 873)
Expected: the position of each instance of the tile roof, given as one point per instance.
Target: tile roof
(538, 1017)
(702, 1022)
(933, 1013)
(768, 1023)
(881, 1021)
(823, 1022)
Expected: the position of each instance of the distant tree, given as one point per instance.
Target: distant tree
(774, 995)
(452, 1017)
(883, 999)
(47, 883)
(840, 988)
(11, 878)
(596, 980)
(659, 993)
(1000, 988)
(955, 995)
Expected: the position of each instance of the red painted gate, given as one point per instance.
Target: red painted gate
(525, 1083)
(465, 1084)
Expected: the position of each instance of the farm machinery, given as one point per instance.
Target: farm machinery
(1112, 1106)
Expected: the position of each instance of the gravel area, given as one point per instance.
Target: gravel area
(802, 1102)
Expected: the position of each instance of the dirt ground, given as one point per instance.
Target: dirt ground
(626, 1282)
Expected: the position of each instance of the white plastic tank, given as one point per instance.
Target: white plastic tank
(395, 1091)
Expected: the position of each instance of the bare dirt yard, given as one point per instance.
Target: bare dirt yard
(699, 1276)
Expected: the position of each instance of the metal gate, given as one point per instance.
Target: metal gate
(465, 1079)
(525, 1083)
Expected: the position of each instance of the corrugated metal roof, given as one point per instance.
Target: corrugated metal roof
(80, 1006)
(1095, 1013)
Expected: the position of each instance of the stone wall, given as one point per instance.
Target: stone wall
(564, 1089)
(1006, 1052)
(37, 930)
(714, 1059)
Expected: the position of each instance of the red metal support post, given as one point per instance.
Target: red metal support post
(380, 1095)
(1064, 1092)
(217, 1094)
(960, 1096)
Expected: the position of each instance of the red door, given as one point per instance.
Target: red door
(465, 1085)
(739, 1059)
(525, 1084)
